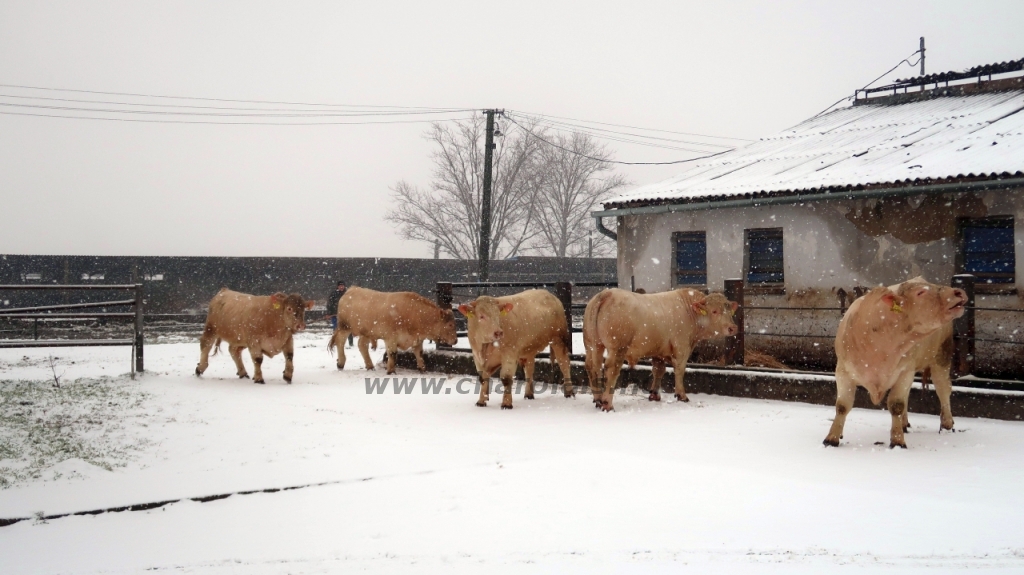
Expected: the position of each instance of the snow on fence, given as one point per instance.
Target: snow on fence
(59, 312)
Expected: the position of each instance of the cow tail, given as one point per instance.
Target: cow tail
(592, 313)
(216, 346)
(331, 345)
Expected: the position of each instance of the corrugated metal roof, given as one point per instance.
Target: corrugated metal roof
(934, 139)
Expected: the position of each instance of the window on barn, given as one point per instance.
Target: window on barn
(690, 258)
(986, 250)
(764, 257)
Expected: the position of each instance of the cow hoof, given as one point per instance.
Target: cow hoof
(243, 376)
(893, 444)
(906, 428)
(528, 396)
(683, 398)
(341, 368)
(481, 404)
(422, 369)
(829, 442)
(197, 371)
(607, 407)
(392, 372)
(506, 407)
(654, 397)
(259, 381)
(570, 393)
(288, 379)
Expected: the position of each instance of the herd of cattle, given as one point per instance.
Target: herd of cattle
(883, 340)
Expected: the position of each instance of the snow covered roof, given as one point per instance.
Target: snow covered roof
(978, 136)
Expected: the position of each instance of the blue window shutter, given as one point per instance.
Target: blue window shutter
(691, 258)
(987, 250)
(765, 257)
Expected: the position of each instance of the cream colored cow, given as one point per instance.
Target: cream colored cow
(886, 337)
(662, 326)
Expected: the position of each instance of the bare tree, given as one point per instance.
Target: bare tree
(576, 176)
(449, 212)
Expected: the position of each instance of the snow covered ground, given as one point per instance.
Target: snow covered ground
(429, 482)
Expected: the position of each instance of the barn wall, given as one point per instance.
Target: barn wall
(828, 246)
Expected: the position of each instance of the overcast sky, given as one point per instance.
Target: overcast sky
(736, 69)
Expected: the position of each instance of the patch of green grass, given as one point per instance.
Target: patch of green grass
(92, 420)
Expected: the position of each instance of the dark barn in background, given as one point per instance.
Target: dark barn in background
(186, 284)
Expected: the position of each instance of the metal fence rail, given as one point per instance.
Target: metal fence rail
(37, 313)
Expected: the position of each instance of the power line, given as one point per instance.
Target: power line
(624, 136)
(224, 114)
(186, 106)
(633, 127)
(563, 148)
(137, 95)
(241, 123)
(868, 85)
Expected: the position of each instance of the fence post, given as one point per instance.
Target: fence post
(444, 301)
(563, 291)
(139, 367)
(734, 345)
(841, 294)
(963, 329)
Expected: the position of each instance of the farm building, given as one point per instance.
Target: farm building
(922, 177)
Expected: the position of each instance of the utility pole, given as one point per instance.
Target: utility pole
(485, 209)
(922, 56)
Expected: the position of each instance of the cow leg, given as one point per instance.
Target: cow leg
(289, 354)
(485, 366)
(339, 343)
(205, 345)
(257, 364)
(612, 367)
(560, 355)
(943, 389)
(364, 349)
(846, 391)
(392, 349)
(679, 367)
(595, 371)
(236, 354)
(417, 350)
(657, 373)
(898, 396)
(528, 366)
(508, 376)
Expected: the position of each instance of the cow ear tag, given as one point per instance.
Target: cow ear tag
(504, 312)
(277, 306)
(896, 307)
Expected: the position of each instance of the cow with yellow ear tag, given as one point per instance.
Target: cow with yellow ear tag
(662, 326)
(510, 330)
(886, 337)
(262, 324)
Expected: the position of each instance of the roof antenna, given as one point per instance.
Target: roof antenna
(921, 50)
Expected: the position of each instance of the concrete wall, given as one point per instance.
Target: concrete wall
(828, 246)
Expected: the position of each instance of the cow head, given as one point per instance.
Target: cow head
(714, 315)
(926, 306)
(293, 310)
(484, 318)
(446, 332)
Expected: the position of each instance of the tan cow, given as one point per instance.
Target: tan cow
(887, 336)
(262, 324)
(662, 326)
(402, 319)
(510, 330)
